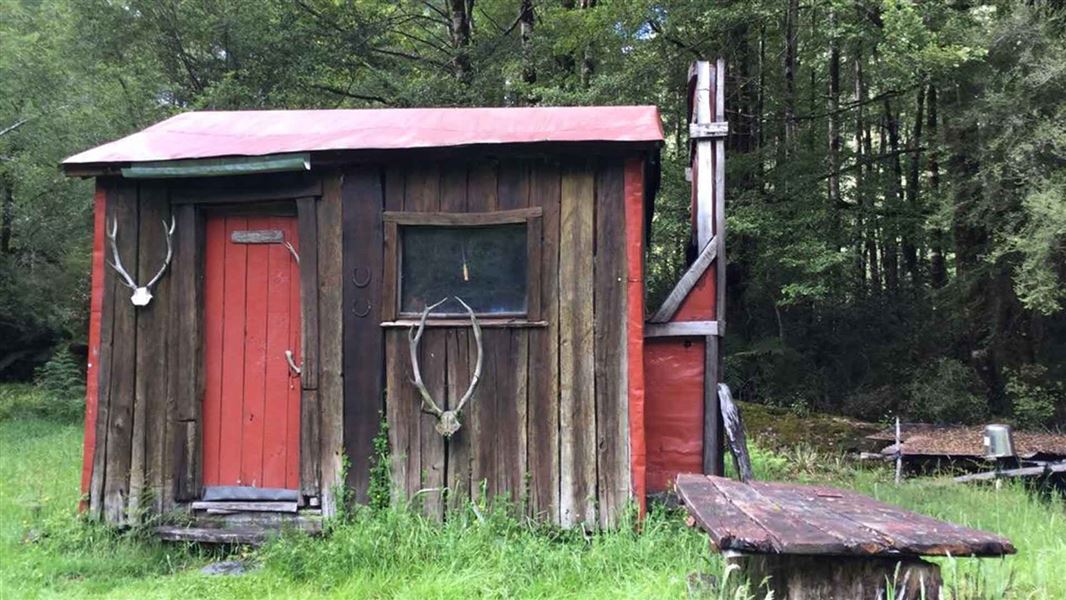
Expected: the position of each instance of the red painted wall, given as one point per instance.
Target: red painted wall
(634, 207)
(96, 304)
(673, 375)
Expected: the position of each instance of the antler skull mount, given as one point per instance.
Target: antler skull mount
(142, 294)
(447, 420)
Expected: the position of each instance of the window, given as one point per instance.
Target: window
(490, 260)
(485, 266)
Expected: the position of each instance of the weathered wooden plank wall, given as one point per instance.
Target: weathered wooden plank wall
(364, 342)
(331, 342)
(547, 429)
(148, 448)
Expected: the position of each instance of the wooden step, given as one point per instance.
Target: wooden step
(227, 507)
(308, 521)
(252, 536)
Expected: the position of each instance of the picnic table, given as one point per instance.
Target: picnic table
(822, 542)
(812, 542)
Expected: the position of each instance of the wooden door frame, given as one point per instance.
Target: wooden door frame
(191, 202)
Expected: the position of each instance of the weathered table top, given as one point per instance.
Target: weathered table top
(781, 518)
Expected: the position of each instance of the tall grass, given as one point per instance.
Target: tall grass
(47, 550)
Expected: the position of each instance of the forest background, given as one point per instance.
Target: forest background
(896, 179)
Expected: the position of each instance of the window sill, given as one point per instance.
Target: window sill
(484, 322)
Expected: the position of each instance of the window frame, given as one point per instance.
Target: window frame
(393, 221)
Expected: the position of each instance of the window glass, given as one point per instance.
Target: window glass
(485, 266)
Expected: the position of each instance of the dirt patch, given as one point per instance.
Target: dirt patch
(778, 428)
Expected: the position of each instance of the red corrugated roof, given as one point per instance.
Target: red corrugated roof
(213, 134)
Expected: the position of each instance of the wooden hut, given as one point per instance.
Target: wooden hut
(279, 264)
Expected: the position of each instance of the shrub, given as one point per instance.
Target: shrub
(1034, 400)
(61, 376)
(945, 392)
(58, 391)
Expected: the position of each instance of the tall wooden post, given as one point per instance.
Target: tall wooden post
(707, 132)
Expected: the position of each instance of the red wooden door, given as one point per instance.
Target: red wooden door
(251, 409)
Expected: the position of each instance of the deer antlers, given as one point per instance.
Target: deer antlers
(142, 295)
(448, 420)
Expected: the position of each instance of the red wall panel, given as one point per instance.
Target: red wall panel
(673, 375)
(96, 304)
(634, 207)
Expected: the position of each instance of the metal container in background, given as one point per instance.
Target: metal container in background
(998, 441)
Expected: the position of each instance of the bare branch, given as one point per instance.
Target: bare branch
(14, 126)
(348, 94)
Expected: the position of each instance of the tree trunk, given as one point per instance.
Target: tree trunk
(459, 12)
(790, 25)
(799, 577)
(912, 211)
(835, 142)
(937, 266)
(893, 198)
(525, 32)
(867, 222)
(588, 64)
(7, 221)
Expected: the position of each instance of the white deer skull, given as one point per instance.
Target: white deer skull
(142, 294)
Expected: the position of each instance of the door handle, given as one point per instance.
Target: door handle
(292, 364)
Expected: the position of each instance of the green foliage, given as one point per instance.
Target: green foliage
(833, 302)
(945, 392)
(1034, 399)
(62, 376)
(380, 488)
(48, 550)
(1041, 244)
(25, 401)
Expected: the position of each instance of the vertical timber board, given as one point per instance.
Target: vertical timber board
(185, 386)
(307, 225)
(481, 410)
(364, 341)
(331, 341)
(123, 365)
(612, 426)
(399, 413)
(422, 194)
(577, 410)
(457, 458)
(720, 264)
(397, 394)
(112, 295)
(460, 370)
(544, 354)
(512, 192)
(149, 413)
(713, 444)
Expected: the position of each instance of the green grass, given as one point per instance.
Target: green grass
(396, 554)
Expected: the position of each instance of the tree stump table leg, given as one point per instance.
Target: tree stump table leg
(807, 577)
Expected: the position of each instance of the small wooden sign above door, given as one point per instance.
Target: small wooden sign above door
(258, 236)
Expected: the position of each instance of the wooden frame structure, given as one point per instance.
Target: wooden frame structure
(554, 426)
(695, 307)
(564, 418)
